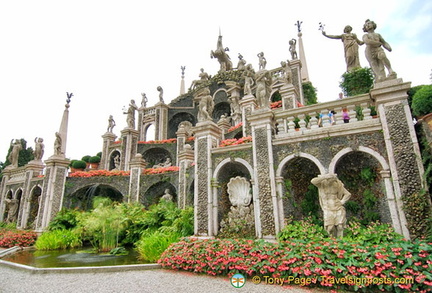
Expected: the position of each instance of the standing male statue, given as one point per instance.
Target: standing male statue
(375, 53)
(130, 118)
(351, 45)
(332, 197)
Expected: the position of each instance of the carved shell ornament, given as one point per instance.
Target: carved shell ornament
(239, 191)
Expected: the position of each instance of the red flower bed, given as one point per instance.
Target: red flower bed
(151, 171)
(94, 173)
(235, 127)
(171, 140)
(234, 141)
(275, 105)
(401, 266)
(11, 238)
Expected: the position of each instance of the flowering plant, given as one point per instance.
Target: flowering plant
(275, 105)
(234, 141)
(11, 238)
(171, 140)
(235, 127)
(333, 263)
(117, 142)
(94, 173)
(162, 170)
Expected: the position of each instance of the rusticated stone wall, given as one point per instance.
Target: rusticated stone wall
(202, 179)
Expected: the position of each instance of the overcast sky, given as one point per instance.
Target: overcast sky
(109, 52)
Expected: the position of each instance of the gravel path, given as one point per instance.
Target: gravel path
(17, 280)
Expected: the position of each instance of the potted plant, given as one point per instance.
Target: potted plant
(94, 162)
(78, 165)
(87, 160)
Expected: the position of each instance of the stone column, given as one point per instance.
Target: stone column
(129, 147)
(137, 166)
(53, 190)
(161, 121)
(247, 105)
(296, 68)
(264, 174)
(32, 170)
(207, 136)
(401, 143)
(185, 159)
(108, 139)
(289, 96)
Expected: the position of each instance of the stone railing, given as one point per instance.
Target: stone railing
(303, 119)
(149, 111)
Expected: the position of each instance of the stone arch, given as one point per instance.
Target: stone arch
(111, 156)
(156, 155)
(34, 203)
(9, 195)
(82, 198)
(361, 170)
(153, 194)
(222, 105)
(297, 195)
(222, 207)
(147, 127)
(178, 118)
(275, 96)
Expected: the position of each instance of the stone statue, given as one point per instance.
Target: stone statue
(263, 81)
(206, 105)
(58, 144)
(39, 149)
(375, 54)
(287, 73)
(221, 56)
(160, 90)
(12, 214)
(204, 77)
(261, 61)
(234, 104)
(292, 48)
(117, 162)
(14, 154)
(144, 100)
(111, 124)
(332, 197)
(351, 45)
(167, 196)
(130, 118)
(241, 65)
(166, 163)
(249, 75)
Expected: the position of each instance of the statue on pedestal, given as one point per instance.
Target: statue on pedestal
(375, 53)
(130, 119)
(14, 154)
(58, 144)
(111, 124)
(206, 105)
(221, 56)
(351, 45)
(249, 75)
(263, 81)
(160, 90)
(332, 197)
(39, 149)
(167, 196)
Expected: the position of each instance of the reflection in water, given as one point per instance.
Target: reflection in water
(71, 258)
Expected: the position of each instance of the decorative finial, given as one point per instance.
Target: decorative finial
(69, 96)
(298, 24)
(183, 70)
(321, 26)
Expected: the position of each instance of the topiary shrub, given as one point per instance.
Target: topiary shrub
(94, 159)
(422, 101)
(79, 164)
(86, 158)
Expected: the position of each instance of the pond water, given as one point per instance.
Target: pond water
(71, 258)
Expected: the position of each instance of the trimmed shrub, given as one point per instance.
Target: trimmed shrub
(422, 101)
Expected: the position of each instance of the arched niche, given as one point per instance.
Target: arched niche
(153, 194)
(155, 156)
(178, 118)
(82, 199)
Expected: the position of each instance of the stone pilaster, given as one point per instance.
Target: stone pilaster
(207, 136)
(185, 159)
(129, 147)
(296, 68)
(53, 190)
(289, 96)
(108, 139)
(403, 152)
(4, 181)
(248, 105)
(264, 175)
(32, 170)
(161, 117)
(137, 166)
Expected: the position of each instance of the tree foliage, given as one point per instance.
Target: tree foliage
(357, 82)
(310, 93)
(25, 155)
(422, 101)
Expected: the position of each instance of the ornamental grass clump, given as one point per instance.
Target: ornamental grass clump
(58, 239)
